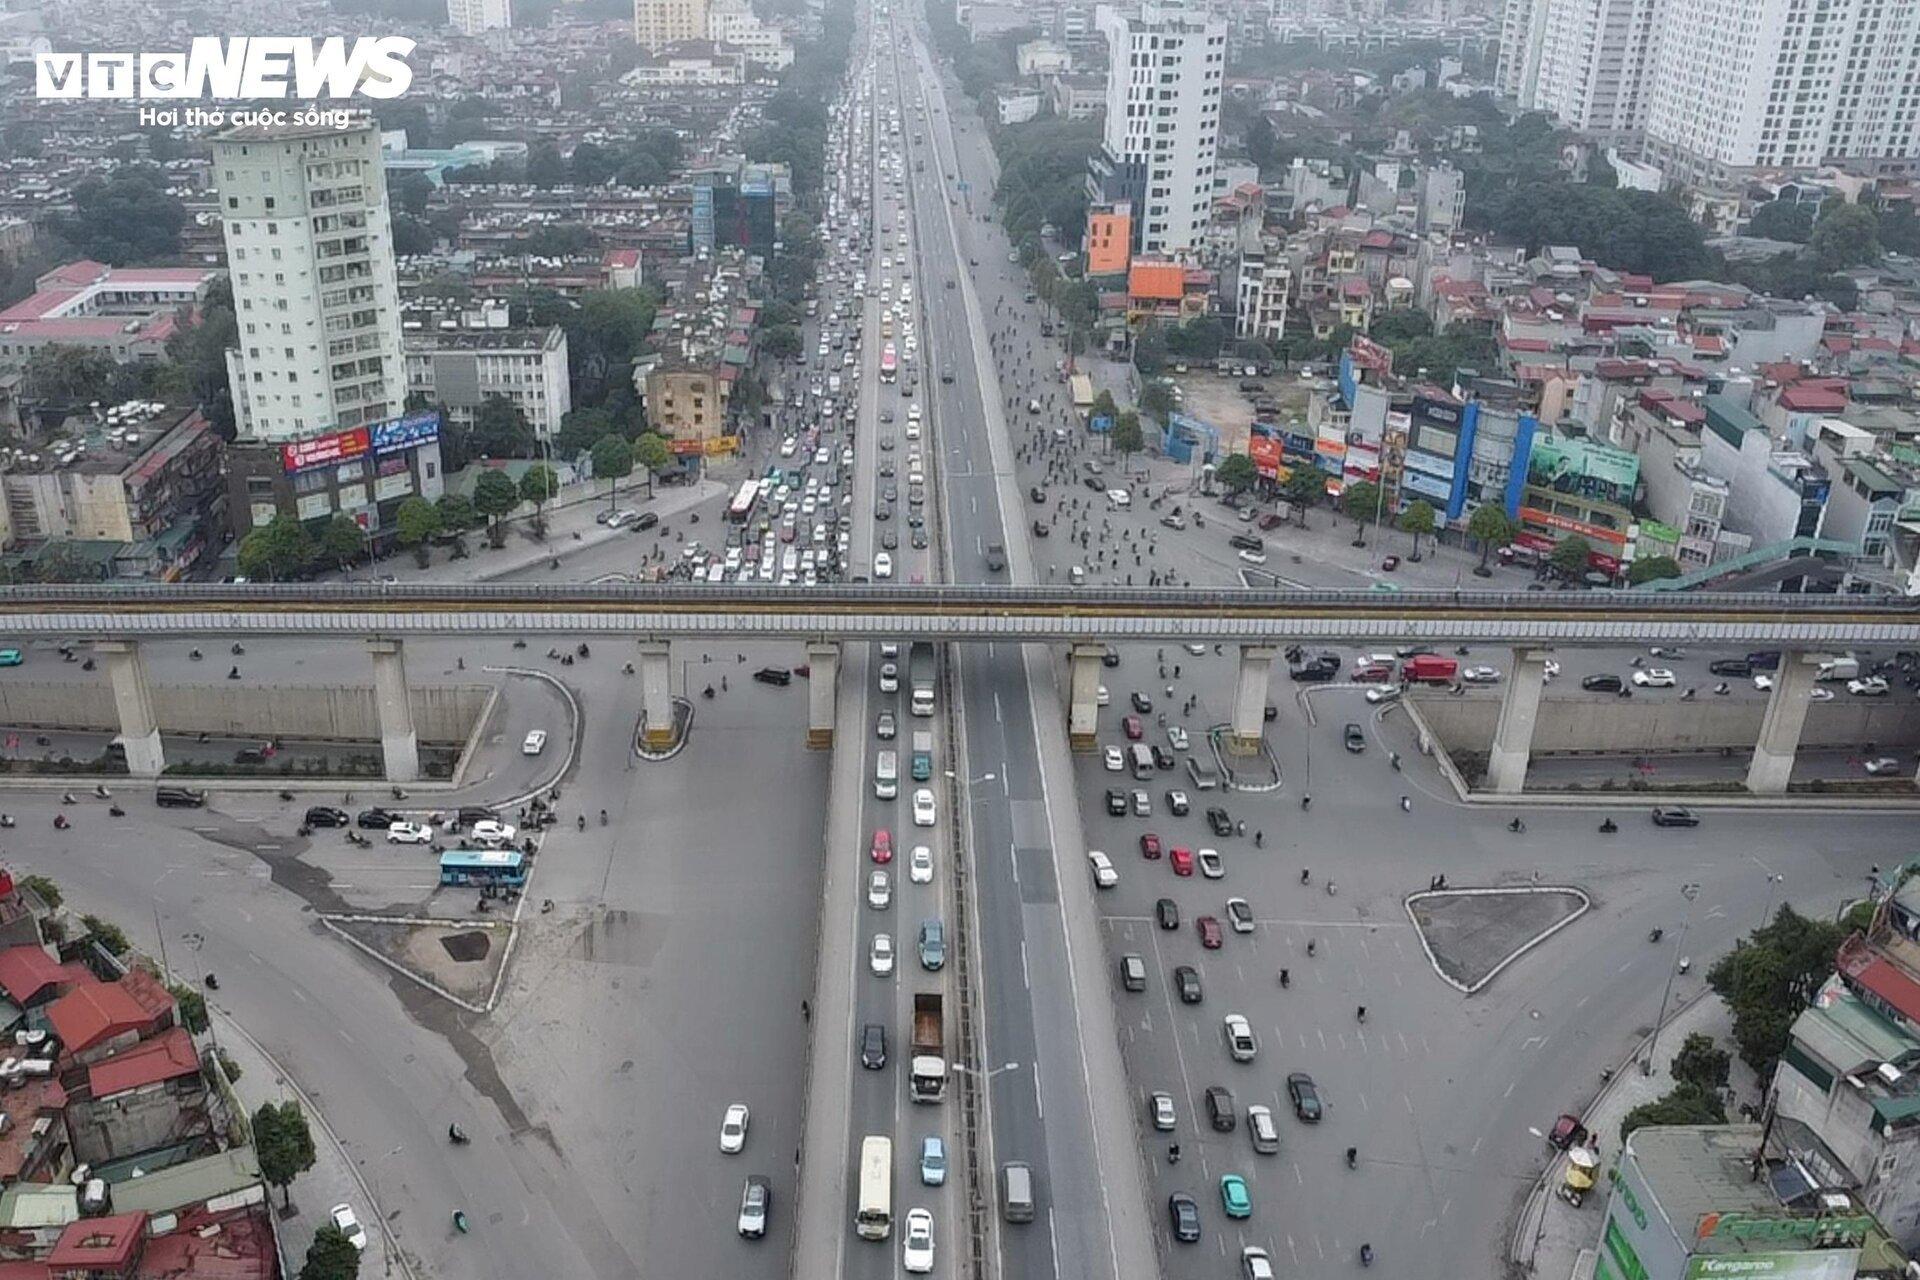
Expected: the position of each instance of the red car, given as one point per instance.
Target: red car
(1209, 932)
(882, 850)
(1182, 862)
(1133, 729)
(1375, 674)
(1390, 563)
(1149, 845)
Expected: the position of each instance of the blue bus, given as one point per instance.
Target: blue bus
(483, 867)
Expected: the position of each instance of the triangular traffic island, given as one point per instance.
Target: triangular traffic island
(457, 959)
(1470, 935)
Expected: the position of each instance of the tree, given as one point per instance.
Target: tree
(341, 541)
(651, 452)
(545, 168)
(538, 486)
(1416, 520)
(1651, 569)
(110, 937)
(1491, 527)
(1361, 502)
(495, 496)
(1156, 401)
(1127, 436)
(581, 429)
(1104, 406)
(456, 512)
(1701, 1063)
(331, 1256)
(1845, 235)
(416, 522)
(500, 429)
(1306, 486)
(192, 1006)
(1768, 978)
(1624, 230)
(1150, 351)
(129, 217)
(781, 342)
(612, 460)
(283, 1145)
(1683, 1104)
(1781, 220)
(1236, 473)
(63, 375)
(1569, 556)
(278, 552)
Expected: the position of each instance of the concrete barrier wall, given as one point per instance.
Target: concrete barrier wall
(441, 713)
(1632, 726)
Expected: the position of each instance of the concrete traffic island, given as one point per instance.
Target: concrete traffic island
(651, 746)
(1470, 935)
(461, 959)
(1255, 770)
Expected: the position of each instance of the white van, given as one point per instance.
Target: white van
(886, 775)
(1142, 756)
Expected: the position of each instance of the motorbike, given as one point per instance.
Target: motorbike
(285, 794)
(1609, 826)
(60, 822)
(116, 811)
(583, 651)
(457, 1136)
(707, 692)
(355, 838)
(100, 790)
(460, 1222)
(6, 820)
(213, 983)
(1655, 934)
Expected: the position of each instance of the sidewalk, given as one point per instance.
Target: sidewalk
(1556, 1241)
(573, 513)
(333, 1179)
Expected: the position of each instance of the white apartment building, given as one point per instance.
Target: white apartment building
(659, 23)
(1261, 295)
(310, 251)
(471, 17)
(1592, 63)
(735, 23)
(459, 369)
(1162, 131)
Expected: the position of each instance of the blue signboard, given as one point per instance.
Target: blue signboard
(1100, 422)
(1349, 381)
(1426, 485)
(407, 432)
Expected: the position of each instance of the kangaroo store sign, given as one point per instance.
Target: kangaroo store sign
(1824, 1232)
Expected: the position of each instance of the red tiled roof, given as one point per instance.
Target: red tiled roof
(1377, 240)
(1783, 372)
(24, 1271)
(167, 1056)
(1709, 344)
(25, 971)
(1807, 398)
(149, 993)
(1866, 968)
(1528, 344)
(89, 1014)
(242, 1249)
(99, 1244)
(621, 258)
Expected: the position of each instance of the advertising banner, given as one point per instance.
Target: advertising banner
(1265, 452)
(1814, 1264)
(1427, 486)
(323, 451)
(406, 432)
(1566, 524)
(1100, 424)
(1584, 469)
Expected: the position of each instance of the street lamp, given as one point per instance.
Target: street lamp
(1773, 885)
(1689, 892)
(988, 1073)
(972, 782)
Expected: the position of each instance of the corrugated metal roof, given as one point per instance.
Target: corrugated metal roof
(190, 1184)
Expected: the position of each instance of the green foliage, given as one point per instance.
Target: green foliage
(1768, 978)
(1651, 569)
(1104, 406)
(1127, 435)
(1236, 472)
(1781, 220)
(124, 219)
(1150, 352)
(44, 889)
(416, 521)
(279, 552)
(1305, 487)
(1569, 556)
(539, 484)
(1156, 401)
(612, 461)
(1043, 176)
(409, 191)
(193, 1007)
(111, 937)
(283, 1144)
(60, 374)
(545, 168)
(1683, 1104)
(781, 342)
(1197, 339)
(340, 541)
(651, 452)
(500, 430)
(1845, 235)
(1701, 1063)
(331, 1256)
(1360, 501)
(559, 240)
(1624, 230)
(1417, 519)
(1491, 527)
(1415, 346)
(495, 496)
(456, 512)
(645, 161)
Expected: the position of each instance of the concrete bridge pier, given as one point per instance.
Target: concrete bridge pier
(133, 700)
(1786, 713)
(1250, 699)
(398, 743)
(1083, 695)
(823, 679)
(656, 695)
(1519, 709)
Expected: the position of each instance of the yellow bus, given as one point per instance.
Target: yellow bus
(874, 1219)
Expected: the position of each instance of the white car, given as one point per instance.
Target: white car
(883, 565)
(1120, 498)
(1197, 649)
(1160, 1106)
(1116, 760)
(920, 865)
(488, 832)
(409, 833)
(1101, 697)
(1763, 682)
(1884, 765)
(1549, 669)
(1654, 678)
(1241, 1045)
(1256, 1263)
(879, 890)
(1481, 675)
(1104, 876)
(1177, 737)
(916, 1253)
(1254, 557)
(923, 807)
(535, 743)
(1820, 695)
(880, 958)
(889, 677)
(1871, 687)
(1378, 693)
(733, 1128)
(342, 1217)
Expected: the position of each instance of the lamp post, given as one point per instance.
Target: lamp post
(1689, 892)
(1773, 886)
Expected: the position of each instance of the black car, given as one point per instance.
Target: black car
(647, 520)
(1730, 667)
(1602, 684)
(1246, 542)
(322, 815)
(1675, 816)
(1305, 1097)
(1186, 980)
(1037, 494)
(1356, 738)
(889, 540)
(1141, 702)
(1116, 803)
(1220, 1110)
(1111, 658)
(179, 797)
(1314, 672)
(1162, 758)
(873, 1046)
(375, 819)
(1041, 528)
(774, 675)
(1218, 822)
(1271, 713)
(1186, 1217)
(1167, 911)
(1094, 483)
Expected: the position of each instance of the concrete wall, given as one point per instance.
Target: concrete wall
(1631, 726)
(441, 713)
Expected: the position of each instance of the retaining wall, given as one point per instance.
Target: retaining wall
(1641, 725)
(441, 713)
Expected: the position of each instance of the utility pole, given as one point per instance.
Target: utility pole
(1689, 892)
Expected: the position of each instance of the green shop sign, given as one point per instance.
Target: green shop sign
(1824, 1232)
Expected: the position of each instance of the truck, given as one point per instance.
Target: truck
(1844, 668)
(920, 677)
(1429, 668)
(922, 755)
(929, 1067)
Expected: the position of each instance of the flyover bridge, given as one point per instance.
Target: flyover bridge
(1805, 627)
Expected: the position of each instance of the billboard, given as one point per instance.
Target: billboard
(406, 432)
(324, 451)
(1265, 452)
(1807, 1264)
(1581, 468)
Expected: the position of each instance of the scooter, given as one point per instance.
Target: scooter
(457, 1136)
(460, 1222)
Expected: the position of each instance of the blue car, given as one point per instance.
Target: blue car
(11, 658)
(933, 1162)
